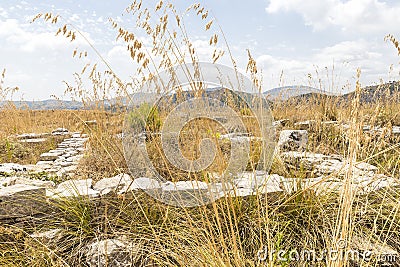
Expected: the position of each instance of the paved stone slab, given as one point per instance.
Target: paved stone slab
(60, 131)
(120, 184)
(21, 200)
(13, 180)
(145, 183)
(10, 169)
(31, 135)
(33, 141)
(73, 188)
(50, 156)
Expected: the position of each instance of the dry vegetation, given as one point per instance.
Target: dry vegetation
(231, 231)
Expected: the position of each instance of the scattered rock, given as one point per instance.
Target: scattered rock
(375, 183)
(50, 156)
(251, 183)
(8, 169)
(271, 183)
(329, 166)
(186, 193)
(112, 252)
(13, 180)
(33, 141)
(396, 130)
(120, 184)
(305, 160)
(329, 123)
(21, 200)
(31, 136)
(363, 166)
(367, 128)
(145, 183)
(242, 192)
(63, 160)
(73, 188)
(79, 135)
(184, 186)
(321, 164)
(239, 137)
(293, 140)
(47, 235)
(60, 131)
(306, 125)
(44, 162)
(280, 123)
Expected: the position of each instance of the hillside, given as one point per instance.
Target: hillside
(370, 94)
(45, 104)
(375, 93)
(286, 92)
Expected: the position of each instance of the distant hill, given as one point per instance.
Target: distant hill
(119, 103)
(45, 104)
(315, 97)
(224, 95)
(370, 94)
(382, 92)
(286, 92)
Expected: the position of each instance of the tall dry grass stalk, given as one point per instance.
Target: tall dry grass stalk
(6, 93)
(344, 223)
(230, 231)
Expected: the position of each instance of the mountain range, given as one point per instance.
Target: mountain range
(286, 92)
(369, 94)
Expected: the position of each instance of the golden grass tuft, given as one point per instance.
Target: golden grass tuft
(231, 231)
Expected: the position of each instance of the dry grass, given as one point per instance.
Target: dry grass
(231, 231)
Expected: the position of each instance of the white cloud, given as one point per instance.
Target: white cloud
(203, 49)
(365, 16)
(74, 18)
(28, 40)
(3, 13)
(36, 60)
(345, 57)
(9, 27)
(349, 51)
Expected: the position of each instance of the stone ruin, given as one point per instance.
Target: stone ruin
(21, 194)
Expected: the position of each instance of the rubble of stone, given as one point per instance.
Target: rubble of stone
(22, 196)
(293, 140)
(112, 252)
(311, 125)
(306, 125)
(21, 200)
(119, 184)
(73, 188)
(60, 131)
(63, 160)
(60, 162)
(364, 179)
(18, 184)
(280, 123)
(32, 137)
(329, 172)
(239, 137)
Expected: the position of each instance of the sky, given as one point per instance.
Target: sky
(291, 40)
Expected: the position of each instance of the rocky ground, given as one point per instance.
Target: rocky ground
(26, 188)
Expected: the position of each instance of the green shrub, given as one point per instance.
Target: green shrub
(145, 117)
